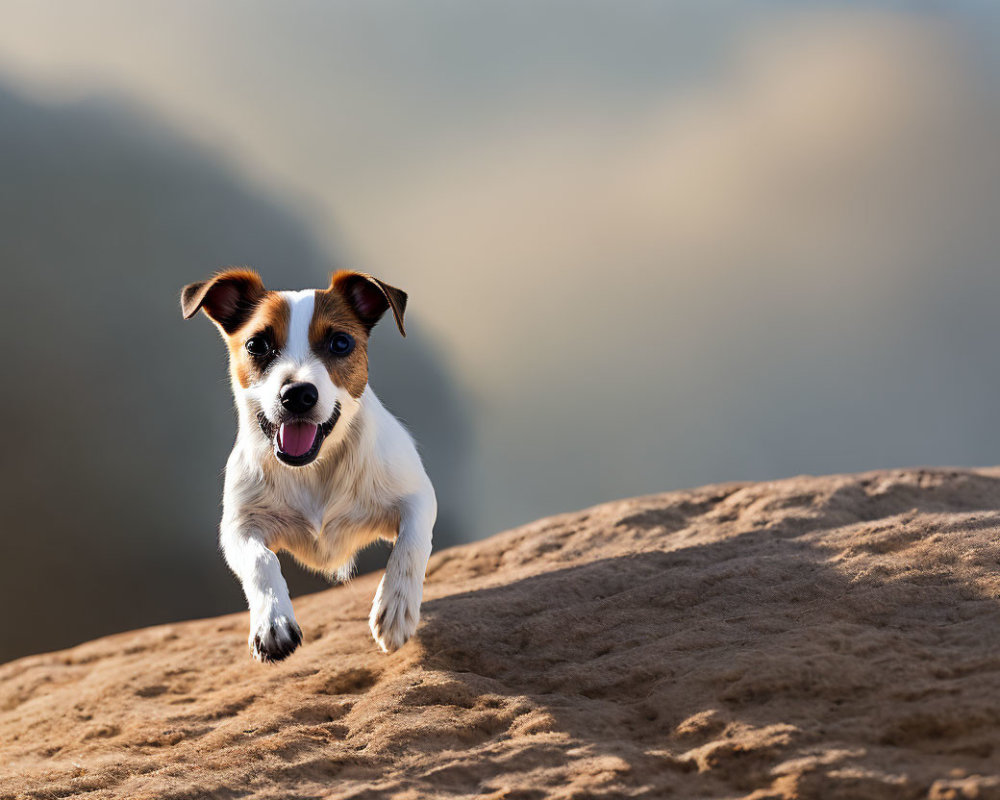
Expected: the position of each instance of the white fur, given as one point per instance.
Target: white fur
(302, 305)
(367, 483)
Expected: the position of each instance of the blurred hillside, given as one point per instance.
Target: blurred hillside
(117, 414)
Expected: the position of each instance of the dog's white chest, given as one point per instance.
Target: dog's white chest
(328, 522)
(311, 505)
(315, 503)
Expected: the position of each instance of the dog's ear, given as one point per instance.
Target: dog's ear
(228, 298)
(370, 297)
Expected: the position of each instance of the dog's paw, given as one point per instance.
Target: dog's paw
(274, 639)
(395, 613)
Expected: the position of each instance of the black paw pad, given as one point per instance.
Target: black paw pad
(276, 641)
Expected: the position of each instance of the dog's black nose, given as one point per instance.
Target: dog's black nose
(298, 397)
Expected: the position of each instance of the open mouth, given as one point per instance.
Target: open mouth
(297, 441)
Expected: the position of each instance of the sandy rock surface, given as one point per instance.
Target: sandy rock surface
(829, 637)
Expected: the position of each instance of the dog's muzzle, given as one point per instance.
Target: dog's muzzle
(297, 442)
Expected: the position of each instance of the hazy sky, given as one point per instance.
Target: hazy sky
(659, 243)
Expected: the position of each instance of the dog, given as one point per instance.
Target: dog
(320, 468)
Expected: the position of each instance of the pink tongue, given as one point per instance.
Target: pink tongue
(296, 438)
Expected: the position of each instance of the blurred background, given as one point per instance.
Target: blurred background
(648, 245)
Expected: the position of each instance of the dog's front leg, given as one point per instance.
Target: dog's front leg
(396, 609)
(274, 633)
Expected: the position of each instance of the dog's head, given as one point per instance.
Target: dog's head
(298, 360)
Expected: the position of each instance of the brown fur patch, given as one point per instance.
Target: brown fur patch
(333, 314)
(270, 317)
(369, 297)
(227, 298)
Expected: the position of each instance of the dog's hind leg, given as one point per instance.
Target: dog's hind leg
(274, 634)
(396, 609)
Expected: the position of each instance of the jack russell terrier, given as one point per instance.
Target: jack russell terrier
(320, 468)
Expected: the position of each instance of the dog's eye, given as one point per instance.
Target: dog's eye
(341, 344)
(258, 346)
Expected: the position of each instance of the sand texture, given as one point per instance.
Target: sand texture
(833, 637)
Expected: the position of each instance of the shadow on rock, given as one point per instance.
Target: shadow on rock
(750, 662)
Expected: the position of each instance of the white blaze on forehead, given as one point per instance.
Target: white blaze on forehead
(301, 305)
